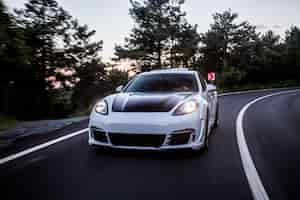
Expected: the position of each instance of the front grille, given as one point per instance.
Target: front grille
(179, 138)
(99, 135)
(142, 140)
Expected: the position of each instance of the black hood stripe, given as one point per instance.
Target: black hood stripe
(146, 103)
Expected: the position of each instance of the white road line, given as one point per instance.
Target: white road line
(256, 186)
(41, 146)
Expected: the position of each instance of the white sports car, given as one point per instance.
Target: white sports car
(157, 110)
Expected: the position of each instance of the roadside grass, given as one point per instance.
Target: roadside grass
(7, 122)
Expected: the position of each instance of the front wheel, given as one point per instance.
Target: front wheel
(206, 133)
(216, 121)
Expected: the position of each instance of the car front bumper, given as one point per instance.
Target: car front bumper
(162, 124)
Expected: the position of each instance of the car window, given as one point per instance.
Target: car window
(164, 83)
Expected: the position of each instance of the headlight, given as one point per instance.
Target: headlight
(101, 107)
(186, 108)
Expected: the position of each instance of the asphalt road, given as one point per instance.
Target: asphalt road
(273, 136)
(73, 170)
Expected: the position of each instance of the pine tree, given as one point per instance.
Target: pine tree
(229, 35)
(13, 62)
(161, 35)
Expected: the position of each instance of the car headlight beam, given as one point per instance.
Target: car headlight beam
(101, 107)
(187, 108)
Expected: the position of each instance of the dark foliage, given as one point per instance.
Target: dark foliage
(162, 36)
(50, 65)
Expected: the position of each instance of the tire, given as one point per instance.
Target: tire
(206, 132)
(216, 122)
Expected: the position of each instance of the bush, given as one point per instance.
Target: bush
(230, 78)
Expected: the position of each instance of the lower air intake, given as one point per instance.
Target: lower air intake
(139, 140)
(99, 135)
(180, 138)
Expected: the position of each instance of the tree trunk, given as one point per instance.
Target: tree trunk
(172, 53)
(225, 62)
(159, 53)
(225, 59)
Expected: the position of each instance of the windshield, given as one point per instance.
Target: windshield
(164, 83)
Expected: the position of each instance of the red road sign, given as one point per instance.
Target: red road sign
(211, 76)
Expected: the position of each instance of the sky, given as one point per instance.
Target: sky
(111, 20)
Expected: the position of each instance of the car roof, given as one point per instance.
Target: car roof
(169, 71)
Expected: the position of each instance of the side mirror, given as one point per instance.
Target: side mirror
(211, 88)
(119, 88)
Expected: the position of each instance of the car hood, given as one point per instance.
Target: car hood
(145, 102)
